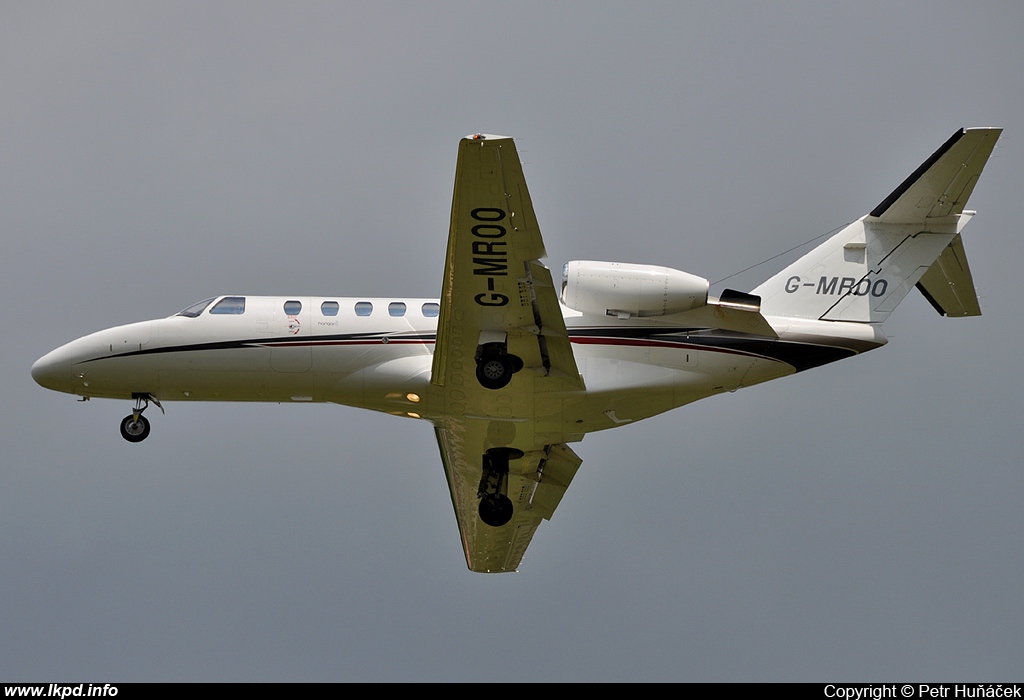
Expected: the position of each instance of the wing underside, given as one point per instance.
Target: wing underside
(535, 483)
(497, 294)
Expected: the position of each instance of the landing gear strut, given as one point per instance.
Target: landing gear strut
(135, 427)
(495, 506)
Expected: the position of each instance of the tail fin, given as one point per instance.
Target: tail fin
(911, 238)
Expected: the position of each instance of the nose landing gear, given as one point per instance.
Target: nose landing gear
(135, 427)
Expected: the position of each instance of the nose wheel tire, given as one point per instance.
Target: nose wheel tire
(135, 429)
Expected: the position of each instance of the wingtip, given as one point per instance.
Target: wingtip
(485, 137)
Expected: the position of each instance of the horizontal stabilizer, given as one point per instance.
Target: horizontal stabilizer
(948, 284)
(944, 182)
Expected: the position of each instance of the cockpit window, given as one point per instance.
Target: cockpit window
(229, 305)
(195, 309)
(292, 308)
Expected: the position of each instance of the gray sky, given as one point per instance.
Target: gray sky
(859, 521)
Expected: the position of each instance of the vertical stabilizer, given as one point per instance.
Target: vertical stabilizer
(911, 238)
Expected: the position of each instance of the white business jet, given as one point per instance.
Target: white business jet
(510, 368)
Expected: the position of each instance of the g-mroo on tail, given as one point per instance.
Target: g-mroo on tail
(911, 238)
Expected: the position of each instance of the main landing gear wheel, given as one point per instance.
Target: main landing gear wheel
(494, 372)
(495, 509)
(494, 366)
(495, 506)
(135, 429)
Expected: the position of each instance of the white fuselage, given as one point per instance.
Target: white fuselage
(378, 353)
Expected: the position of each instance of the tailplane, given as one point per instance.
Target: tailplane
(911, 238)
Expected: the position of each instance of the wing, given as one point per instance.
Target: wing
(536, 483)
(497, 294)
(494, 282)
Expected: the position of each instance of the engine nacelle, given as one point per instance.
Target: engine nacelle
(625, 290)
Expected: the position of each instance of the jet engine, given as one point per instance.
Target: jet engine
(625, 290)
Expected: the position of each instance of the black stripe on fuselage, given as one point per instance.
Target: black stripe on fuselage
(287, 342)
(799, 355)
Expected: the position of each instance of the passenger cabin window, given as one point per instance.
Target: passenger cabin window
(229, 305)
(292, 307)
(329, 308)
(396, 308)
(196, 309)
(364, 308)
(431, 310)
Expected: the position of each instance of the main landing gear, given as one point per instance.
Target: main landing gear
(494, 366)
(135, 427)
(495, 506)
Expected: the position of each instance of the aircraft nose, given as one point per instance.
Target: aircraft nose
(53, 371)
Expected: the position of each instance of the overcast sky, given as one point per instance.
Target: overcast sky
(859, 521)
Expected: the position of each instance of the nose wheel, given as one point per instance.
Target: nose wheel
(135, 427)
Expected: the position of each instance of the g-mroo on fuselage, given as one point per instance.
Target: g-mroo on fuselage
(509, 369)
